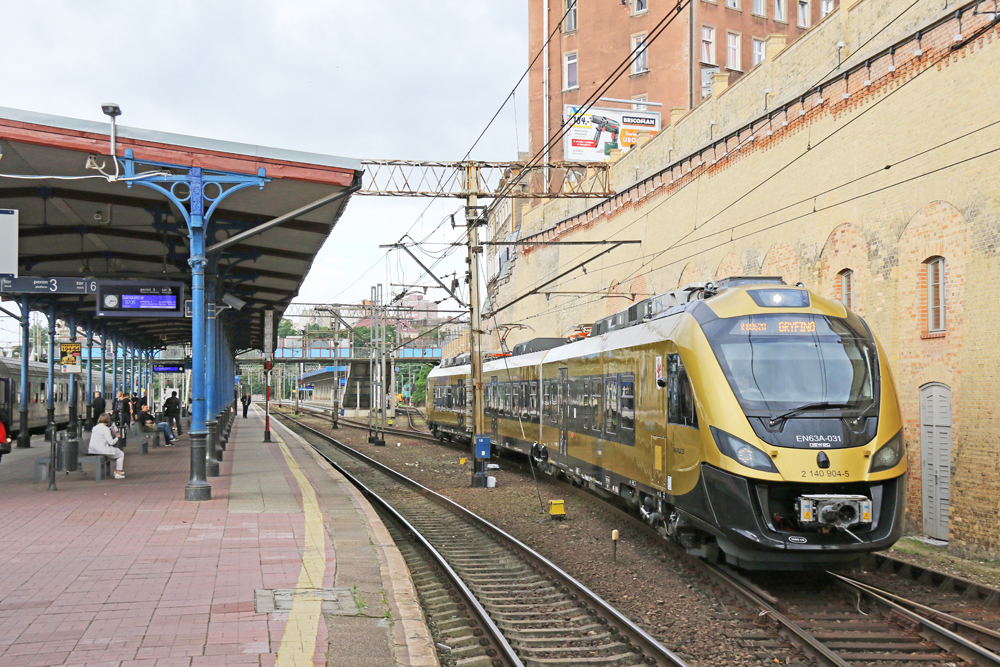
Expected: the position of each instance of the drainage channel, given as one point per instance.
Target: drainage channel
(543, 614)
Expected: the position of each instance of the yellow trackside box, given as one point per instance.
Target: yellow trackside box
(557, 510)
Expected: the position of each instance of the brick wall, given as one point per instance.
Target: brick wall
(876, 178)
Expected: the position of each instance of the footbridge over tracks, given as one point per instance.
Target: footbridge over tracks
(234, 228)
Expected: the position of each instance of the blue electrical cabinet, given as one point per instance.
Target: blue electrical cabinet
(483, 446)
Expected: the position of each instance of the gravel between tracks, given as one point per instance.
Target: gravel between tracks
(645, 582)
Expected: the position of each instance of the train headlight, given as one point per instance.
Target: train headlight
(889, 455)
(742, 452)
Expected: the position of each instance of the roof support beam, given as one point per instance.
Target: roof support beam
(274, 222)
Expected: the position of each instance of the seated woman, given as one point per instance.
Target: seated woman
(147, 420)
(102, 443)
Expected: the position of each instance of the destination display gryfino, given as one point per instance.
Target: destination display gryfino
(594, 134)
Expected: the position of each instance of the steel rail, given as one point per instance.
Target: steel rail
(639, 640)
(965, 647)
(481, 617)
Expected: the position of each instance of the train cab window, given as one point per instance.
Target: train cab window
(611, 406)
(628, 402)
(597, 404)
(680, 396)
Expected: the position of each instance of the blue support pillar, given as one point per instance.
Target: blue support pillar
(104, 368)
(24, 434)
(114, 367)
(89, 417)
(197, 487)
(132, 384)
(50, 399)
(211, 390)
(71, 428)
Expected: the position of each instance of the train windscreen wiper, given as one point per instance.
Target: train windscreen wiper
(822, 405)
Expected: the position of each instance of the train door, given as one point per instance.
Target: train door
(563, 394)
(492, 405)
(935, 457)
(683, 454)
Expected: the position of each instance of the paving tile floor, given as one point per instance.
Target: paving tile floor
(126, 572)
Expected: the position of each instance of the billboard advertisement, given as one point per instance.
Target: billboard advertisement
(594, 134)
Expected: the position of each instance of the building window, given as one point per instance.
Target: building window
(825, 7)
(640, 64)
(569, 72)
(935, 295)
(637, 102)
(758, 51)
(732, 51)
(803, 13)
(779, 10)
(733, 4)
(759, 8)
(569, 24)
(847, 288)
(639, 6)
(708, 45)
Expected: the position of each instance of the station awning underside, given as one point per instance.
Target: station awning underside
(95, 228)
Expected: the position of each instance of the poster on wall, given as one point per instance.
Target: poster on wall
(597, 132)
(69, 355)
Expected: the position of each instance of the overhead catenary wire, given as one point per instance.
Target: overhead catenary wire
(796, 158)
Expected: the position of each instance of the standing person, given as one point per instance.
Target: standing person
(172, 411)
(246, 404)
(124, 412)
(99, 405)
(136, 406)
(102, 443)
(5, 438)
(114, 405)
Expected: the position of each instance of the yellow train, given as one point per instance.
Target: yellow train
(746, 418)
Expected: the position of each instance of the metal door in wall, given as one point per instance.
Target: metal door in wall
(935, 457)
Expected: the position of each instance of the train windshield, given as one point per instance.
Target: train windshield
(783, 361)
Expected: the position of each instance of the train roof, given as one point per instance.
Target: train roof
(12, 366)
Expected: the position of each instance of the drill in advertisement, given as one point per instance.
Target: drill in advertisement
(603, 124)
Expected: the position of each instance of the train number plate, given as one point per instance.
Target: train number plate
(811, 474)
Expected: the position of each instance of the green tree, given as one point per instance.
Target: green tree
(286, 328)
(420, 388)
(363, 336)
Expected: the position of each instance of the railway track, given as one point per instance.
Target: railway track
(839, 621)
(516, 597)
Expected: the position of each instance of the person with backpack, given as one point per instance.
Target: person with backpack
(172, 411)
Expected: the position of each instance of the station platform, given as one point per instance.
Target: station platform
(287, 565)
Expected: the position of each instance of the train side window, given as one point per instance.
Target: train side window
(611, 405)
(533, 401)
(507, 399)
(628, 402)
(680, 397)
(597, 403)
(585, 408)
(447, 397)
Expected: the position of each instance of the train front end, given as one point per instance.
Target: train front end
(804, 463)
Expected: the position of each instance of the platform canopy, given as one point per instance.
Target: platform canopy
(94, 228)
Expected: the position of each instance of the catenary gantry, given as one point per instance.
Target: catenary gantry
(181, 208)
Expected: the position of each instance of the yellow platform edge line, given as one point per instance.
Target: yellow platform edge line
(298, 643)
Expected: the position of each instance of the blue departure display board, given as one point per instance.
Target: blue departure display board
(157, 301)
(140, 298)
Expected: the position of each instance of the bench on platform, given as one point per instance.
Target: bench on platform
(102, 466)
(142, 437)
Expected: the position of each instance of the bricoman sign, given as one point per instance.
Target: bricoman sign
(594, 134)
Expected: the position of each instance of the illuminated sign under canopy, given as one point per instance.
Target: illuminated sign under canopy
(140, 298)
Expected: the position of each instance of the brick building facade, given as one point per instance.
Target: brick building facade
(869, 172)
(595, 37)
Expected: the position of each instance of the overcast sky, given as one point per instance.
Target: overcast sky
(406, 79)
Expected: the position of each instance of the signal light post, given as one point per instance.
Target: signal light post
(473, 217)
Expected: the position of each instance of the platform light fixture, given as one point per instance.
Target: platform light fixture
(112, 111)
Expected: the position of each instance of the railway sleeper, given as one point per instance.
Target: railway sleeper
(557, 640)
(935, 658)
(501, 601)
(527, 607)
(533, 619)
(542, 632)
(614, 648)
(615, 661)
(515, 585)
